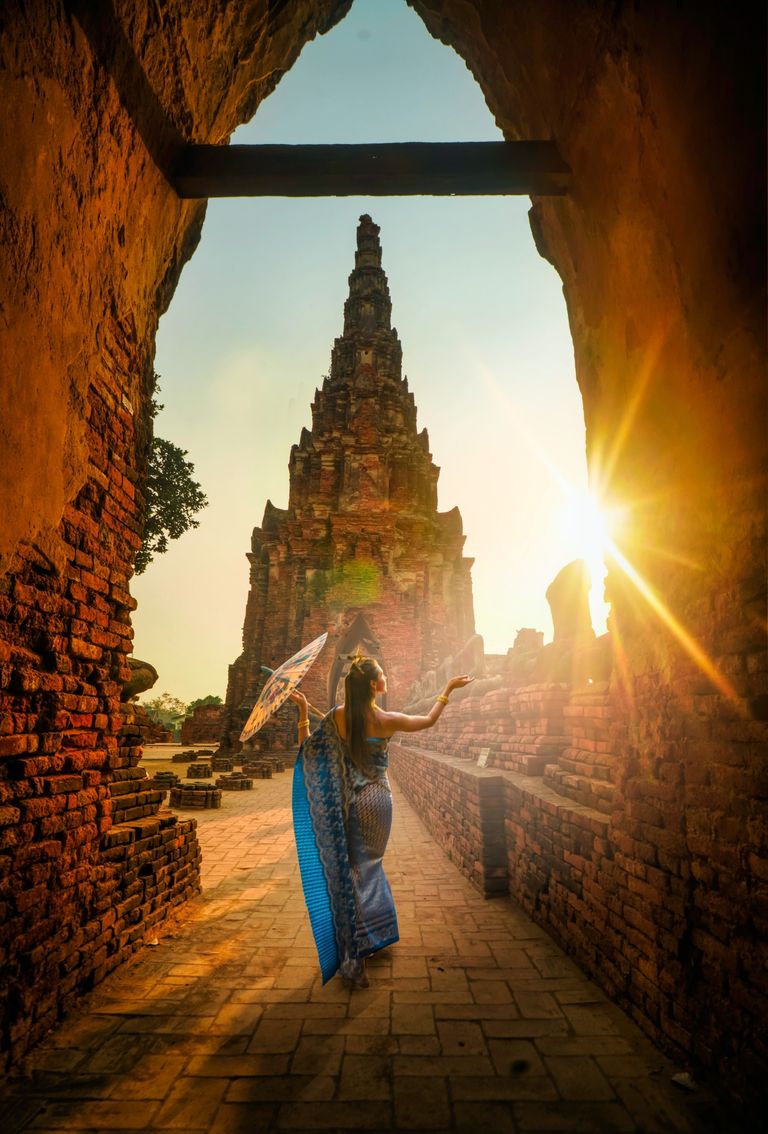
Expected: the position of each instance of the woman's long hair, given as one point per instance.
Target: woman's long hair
(358, 696)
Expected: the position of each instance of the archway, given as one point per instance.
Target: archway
(358, 636)
(658, 115)
(248, 338)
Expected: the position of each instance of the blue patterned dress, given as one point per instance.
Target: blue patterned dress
(341, 821)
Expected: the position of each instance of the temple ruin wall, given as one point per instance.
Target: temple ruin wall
(659, 112)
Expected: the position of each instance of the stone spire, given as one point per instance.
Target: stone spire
(361, 548)
(369, 342)
(363, 451)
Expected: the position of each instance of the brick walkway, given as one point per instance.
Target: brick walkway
(475, 1021)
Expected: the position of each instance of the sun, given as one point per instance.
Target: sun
(588, 531)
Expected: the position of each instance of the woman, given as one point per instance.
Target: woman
(342, 812)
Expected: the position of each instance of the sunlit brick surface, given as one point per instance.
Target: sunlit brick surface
(474, 1021)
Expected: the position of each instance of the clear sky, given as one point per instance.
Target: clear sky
(480, 315)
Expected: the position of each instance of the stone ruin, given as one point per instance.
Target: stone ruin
(361, 548)
(236, 781)
(204, 726)
(195, 797)
(659, 112)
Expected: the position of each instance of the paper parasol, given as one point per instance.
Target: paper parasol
(279, 684)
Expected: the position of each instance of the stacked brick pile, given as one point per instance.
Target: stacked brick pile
(282, 758)
(197, 796)
(462, 806)
(276, 763)
(164, 780)
(258, 769)
(191, 754)
(199, 771)
(222, 763)
(237, 781)
(585, 767)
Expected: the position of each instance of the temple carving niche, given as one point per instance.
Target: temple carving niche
(361, 550)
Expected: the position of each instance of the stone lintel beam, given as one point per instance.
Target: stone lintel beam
(392, 169)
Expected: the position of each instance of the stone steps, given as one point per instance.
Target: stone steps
(594, 793)
(526, 763)
(584, 764)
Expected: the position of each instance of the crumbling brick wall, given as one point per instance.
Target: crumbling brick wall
(660, 247)
(87, 867)
(626, 871)
(203, 726)
(97, 100)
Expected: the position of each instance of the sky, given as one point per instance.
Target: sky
(480, 315)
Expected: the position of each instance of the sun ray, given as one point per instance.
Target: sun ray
(689, 644)
(608, 520)
(583, 520)
(603, 464)
(622, 670)
(670, 556)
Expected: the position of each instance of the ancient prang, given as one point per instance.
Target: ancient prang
(361, 550)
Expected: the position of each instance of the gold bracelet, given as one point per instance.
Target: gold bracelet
(442, 699)
(304, 724)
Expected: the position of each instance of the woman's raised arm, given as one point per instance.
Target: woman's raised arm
(403, 722)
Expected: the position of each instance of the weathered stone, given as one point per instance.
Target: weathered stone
(659, 112)
(568, 598)
(195, 796)
(361, 550)
(202, 771)
(143, 677)
(204, 725)
(237, 781)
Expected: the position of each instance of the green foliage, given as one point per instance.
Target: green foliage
(356, 583)
(165, 710)
(211, 699)
(173, 499)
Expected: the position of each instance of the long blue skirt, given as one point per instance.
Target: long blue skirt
(341, 836)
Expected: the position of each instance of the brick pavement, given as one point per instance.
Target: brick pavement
(475, 1020)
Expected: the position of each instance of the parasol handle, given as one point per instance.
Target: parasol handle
(315, 712)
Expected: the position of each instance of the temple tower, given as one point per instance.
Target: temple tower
(361, 549)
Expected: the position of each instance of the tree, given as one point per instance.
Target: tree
(172, 497)
(165, 709)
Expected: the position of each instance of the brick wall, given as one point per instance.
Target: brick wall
(93, 238)
(625, 870)
(203, 726)
(462, 806)
(86, 865)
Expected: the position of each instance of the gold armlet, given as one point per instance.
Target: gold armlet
(442, 699)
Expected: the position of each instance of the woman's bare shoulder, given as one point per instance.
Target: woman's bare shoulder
(388, 723)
